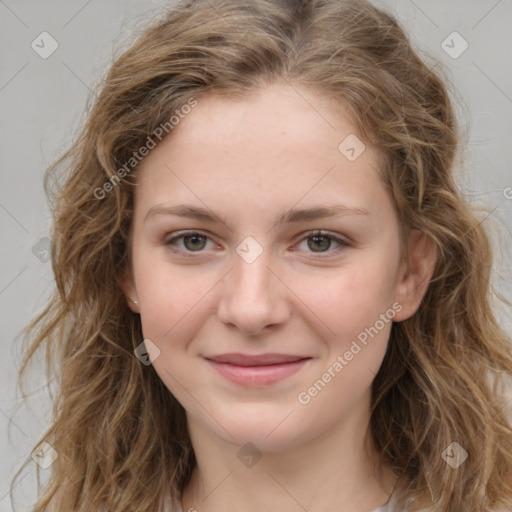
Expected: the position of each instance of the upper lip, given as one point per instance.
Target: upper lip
(258, 360)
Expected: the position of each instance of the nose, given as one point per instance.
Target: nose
(253, 296)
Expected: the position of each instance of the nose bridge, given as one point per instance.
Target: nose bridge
(252, 278)
(251, 274)
(252, 296)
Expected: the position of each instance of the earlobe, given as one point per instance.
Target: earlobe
(127, 285)
(415, 274)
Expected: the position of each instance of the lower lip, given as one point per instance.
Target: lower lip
(257, 375)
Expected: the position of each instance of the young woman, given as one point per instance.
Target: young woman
(270, 293)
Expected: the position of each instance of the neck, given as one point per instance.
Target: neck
(335, 471)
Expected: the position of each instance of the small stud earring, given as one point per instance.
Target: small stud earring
(135, 301)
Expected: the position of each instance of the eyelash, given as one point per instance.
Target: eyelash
(189, 254)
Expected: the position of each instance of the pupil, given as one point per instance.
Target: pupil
(321, 237)
(314, 246)
(194, 237)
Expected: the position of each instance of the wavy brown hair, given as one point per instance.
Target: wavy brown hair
(120, 434)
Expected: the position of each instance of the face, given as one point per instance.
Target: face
(266, 266)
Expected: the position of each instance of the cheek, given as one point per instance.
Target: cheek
(173, 301)
(172, 318)
(349, 299)
(357, 307)
(170, 296)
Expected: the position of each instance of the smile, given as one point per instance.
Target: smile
(255, 371)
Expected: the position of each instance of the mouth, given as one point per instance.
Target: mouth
(259, 370)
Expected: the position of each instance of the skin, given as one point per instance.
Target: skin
(249, 161)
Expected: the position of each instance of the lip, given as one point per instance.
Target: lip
(257, 370)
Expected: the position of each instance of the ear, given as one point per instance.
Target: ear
(415, 274)
(127, 284)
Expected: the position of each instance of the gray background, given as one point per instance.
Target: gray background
(42, 104)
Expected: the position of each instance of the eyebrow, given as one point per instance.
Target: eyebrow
(290, 216)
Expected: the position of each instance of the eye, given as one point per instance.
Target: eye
(193, 241)
(320, 242)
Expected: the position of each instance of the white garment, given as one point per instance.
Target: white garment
(388, 508)
(380, 509)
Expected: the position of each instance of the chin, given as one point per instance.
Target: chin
(263, 443)
(268, 433)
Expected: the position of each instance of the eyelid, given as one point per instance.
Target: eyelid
(342, 241)
(182, 234)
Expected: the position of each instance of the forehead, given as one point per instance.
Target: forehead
(277, 117)
(280, 143)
